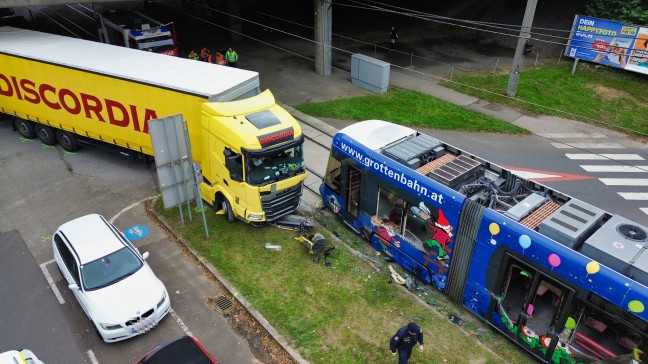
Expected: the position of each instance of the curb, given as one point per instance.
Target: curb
(232, 290)
(309, 120)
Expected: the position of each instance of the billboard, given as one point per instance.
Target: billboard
(610, 43)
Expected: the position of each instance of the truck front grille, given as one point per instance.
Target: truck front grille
(281, 203)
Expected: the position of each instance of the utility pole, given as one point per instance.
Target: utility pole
(323, 33)
(525, 31)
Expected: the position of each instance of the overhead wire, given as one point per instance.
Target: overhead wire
(600, 122)
(533, 35)
(563, 112)
(56, 22)
(82, 13)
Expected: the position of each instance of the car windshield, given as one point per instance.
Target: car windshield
(268, 167)
(110, 269)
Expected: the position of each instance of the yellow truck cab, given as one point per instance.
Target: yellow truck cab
(75, 92)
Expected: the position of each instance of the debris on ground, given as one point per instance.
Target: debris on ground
(416, 318)
(395, 276)
(456, 320)
(410, 282)
(269, 246)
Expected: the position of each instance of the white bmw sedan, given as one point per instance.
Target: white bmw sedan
(110, 278)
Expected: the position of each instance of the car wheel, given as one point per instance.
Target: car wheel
(227, 209)
(26, 128)
(67, 140)
(46, 134)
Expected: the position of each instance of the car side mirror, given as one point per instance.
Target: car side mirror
(145, 255)
(73, 286)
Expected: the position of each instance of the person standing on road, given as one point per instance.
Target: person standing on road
(404, 340)
(231, 56)
(393, 37)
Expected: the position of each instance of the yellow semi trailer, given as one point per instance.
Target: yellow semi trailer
(70, 91)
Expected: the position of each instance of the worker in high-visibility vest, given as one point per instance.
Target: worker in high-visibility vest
(231, 57)
(220, 59)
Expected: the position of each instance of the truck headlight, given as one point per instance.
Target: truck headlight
(255, 217)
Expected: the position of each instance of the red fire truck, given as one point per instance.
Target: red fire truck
(131, 29)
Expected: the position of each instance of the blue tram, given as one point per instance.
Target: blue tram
(565, 280)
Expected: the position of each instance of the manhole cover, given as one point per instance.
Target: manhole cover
(223, 303)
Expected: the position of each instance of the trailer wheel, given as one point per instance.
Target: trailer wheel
(227, 209)
(46, 134)
(26, 128)
(67, 140)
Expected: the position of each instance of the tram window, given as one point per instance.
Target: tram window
(332, 179)
(545, 304)
(514, 291)
(614, 310)
(390, 206)
(353, 191)
(596, 335)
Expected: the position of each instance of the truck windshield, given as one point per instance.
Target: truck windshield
(276, 165)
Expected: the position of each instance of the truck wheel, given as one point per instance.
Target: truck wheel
(26, 128)
(46, 134)
(67, 140)
(227, 209)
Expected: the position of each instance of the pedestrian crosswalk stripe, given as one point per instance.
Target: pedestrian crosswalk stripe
(533, 175)
(592, 157)
(625, 181)
(573, 135)
(634, 195)
(588, 145)
(615, 168)
(644, 209)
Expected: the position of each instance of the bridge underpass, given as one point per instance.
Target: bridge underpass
(322, 20)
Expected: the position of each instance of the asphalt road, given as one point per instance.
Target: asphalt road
(42, 187)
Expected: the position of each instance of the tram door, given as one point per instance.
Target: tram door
(353, 188)
(529, 305)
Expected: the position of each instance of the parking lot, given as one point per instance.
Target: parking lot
(44, 187)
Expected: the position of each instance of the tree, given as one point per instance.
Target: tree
(623, 11)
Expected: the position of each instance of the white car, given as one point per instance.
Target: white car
(110, 278)
(23, 356)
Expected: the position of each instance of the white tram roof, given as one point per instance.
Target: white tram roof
(377, 134)
(218, 83)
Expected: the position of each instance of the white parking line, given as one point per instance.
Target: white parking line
(181, 323)
(573, 135)
(634, 195)
(588, 145)
(625, 181)
(93, 358)
(592, 156)
(129, 207)
(615, 168)
(49, 279)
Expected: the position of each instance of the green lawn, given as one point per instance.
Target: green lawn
(595, 94)
(342, 313)
(409, 108)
